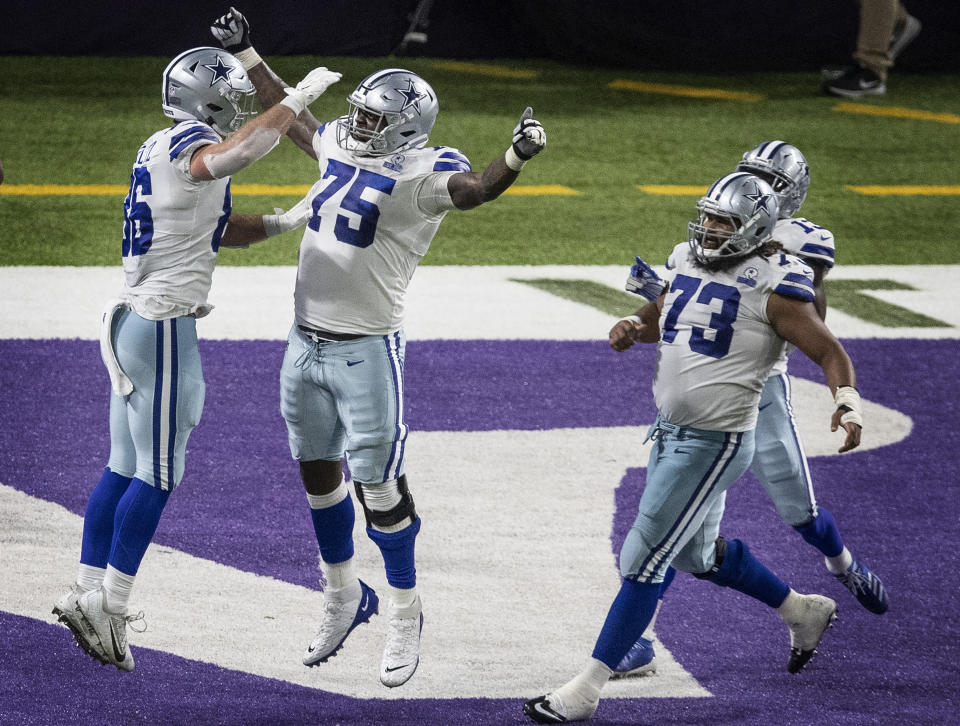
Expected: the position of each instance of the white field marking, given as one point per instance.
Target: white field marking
(515, 564)
(451, 302)
(516, 575)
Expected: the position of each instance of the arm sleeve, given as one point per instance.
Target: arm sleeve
(433, 197)
(257, 145)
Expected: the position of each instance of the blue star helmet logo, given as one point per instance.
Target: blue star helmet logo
(759, 200)
(411, 96)
(221, 71)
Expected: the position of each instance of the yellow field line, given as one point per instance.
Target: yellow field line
(672, 190)
(299, 190)
(906, 190)
(690, 91)
(944, 118)
(485, 69)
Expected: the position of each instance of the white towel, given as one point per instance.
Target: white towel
(122, 385)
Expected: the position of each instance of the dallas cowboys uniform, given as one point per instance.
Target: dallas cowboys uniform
(172, 229)
(716, 350)
(780, 463)
(342, 375)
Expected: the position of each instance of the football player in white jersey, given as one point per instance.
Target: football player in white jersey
(780, 463)
(176, 216)
(381, 198)
(733, 301)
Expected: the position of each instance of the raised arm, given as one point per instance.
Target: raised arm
(232, 31)
(470, 189)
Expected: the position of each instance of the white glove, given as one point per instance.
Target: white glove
(232, 31)
(309, 89)
(643, 281)
(529, 138)
(281, 222)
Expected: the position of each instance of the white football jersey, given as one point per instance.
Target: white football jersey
(811, 243)
(172, 225)
(366, 236)
(717, 345)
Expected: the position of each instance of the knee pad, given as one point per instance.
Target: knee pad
(320, 476)
(390, 517)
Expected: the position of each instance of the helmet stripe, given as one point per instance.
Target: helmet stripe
(725, 182)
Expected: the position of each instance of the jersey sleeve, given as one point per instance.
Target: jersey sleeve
(806, 240)
(449, 159)
(793, 278)
(186, 138)
(318, 139)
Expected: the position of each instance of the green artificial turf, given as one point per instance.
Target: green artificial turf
(80, 121)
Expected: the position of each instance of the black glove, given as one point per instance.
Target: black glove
(529, 138)
(232, 31)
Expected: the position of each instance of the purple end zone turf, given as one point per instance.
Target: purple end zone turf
(896, 507)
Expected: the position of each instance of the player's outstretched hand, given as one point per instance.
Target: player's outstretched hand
(309, 89)
(529, 138)
(643, 281)
(849, 415)
(232, 31)
(625, 332)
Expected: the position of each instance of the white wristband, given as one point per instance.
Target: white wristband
(248, 58)
(849, 398)
(632, 319)
(295, 100)
(513, 161)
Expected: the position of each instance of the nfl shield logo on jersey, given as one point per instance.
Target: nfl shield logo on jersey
(395, 162)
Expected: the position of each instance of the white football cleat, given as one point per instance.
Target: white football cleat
(808, 617)
(552, 709)
(401, 656)
(340, 617)
(104, 633)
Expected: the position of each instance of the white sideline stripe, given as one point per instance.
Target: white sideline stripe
(489, 632)
(450, 302)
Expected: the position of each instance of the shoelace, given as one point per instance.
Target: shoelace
(401, 634)
(855, 581)
(331, 613)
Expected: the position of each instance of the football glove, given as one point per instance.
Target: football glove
(281, 221)
(232, 31)
(309, 89)
(643, 281)
(529, 138)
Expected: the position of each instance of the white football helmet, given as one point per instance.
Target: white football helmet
(405, 107)
(745, 202)
(210, 85)
(784, 168)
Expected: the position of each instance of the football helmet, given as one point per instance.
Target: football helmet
(210, 85)
(784, 168)
(403, 105)
(747, 204)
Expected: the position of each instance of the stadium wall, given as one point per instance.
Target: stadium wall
(682, 35)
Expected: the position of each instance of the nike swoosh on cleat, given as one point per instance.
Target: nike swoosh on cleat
(118, 651)
(543, 710)
(395, 668)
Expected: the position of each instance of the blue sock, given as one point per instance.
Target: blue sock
(98, 518)
(667, 579)
(138, 515)
(334, 529)
(398, 558)
(742, 571)
(822, 533)
(627, 618)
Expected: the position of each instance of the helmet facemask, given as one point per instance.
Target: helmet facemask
(390, 111)
(747, 205)
(210, 85)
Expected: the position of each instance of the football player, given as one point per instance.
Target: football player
(382, 195)
(733, 301)
(176, 216)
(780, 463)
